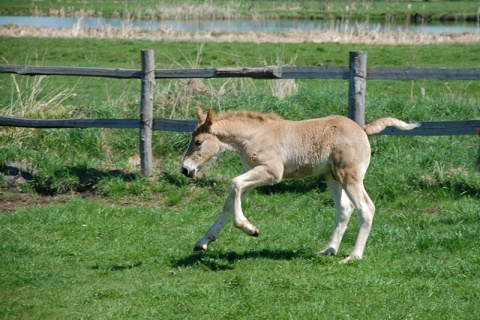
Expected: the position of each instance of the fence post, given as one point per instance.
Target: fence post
(146, 111)
(357, 86)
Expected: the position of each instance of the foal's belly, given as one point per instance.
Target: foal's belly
(302, 171)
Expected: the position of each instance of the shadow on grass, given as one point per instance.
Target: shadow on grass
(79, 179)
(18, 169)
(89, 177)
(218, 261)
(478, 153)
(296, 186)
(117, 267)
(181, 181)
(84, 180)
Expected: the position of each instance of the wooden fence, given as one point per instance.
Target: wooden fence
(357, 73)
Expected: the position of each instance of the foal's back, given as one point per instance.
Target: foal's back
(314, 146)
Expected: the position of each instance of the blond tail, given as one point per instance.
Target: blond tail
(380, 124)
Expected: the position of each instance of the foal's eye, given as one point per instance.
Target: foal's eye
(198, 143)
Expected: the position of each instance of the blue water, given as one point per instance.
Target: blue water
(224, 25)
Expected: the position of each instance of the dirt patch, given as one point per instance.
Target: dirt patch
(20, 188)
(13, 201)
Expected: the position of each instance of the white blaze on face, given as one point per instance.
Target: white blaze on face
(188, 167)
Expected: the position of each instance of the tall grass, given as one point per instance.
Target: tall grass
(31, 98)
(226, 9)
(52, 151)
(283, 88)
(340, 32)
(347, 22)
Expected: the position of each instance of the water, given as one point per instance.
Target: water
(225, 25)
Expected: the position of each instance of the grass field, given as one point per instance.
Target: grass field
(88, 260)
(111, 244)
(388, 11)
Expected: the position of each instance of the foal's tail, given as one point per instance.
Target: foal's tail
(380, 124)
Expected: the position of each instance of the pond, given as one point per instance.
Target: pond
(232, 25)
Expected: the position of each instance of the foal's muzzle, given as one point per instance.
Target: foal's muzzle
(186, 172)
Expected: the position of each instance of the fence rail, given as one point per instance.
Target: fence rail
(357, 73)
(286, 72)
(429, 128)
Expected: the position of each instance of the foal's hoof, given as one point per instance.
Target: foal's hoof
(326, 252)
(253, 232)
(199, 249)
(351, 258)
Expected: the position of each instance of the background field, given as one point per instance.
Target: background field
(112, 244)
(388, 11)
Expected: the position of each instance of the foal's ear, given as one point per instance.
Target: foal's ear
(210, 117)
(200, 115)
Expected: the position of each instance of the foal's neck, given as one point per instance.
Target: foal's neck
(235, 133)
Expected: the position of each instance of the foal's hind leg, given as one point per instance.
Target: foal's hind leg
(344, 209)
(353, 185)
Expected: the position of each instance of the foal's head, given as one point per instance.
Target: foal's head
(203, 145)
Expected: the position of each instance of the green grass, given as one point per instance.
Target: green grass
(388, 11)
(119, 245)
(84, 259)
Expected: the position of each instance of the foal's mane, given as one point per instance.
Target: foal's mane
(249, 116)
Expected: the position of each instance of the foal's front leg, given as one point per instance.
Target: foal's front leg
(214, 231)
(239, 188)
(243, 184)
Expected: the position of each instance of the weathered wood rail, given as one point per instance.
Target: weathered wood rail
(357, 73)
(429, 128)
(286, 72)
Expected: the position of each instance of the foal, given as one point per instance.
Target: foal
(273, 149)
